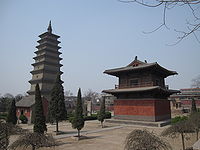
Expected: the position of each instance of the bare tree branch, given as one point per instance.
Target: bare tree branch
(192, 26)
(145, 140)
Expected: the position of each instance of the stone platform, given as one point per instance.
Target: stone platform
(142, 123)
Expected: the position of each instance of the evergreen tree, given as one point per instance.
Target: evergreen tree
(78, 120)
(102, 112)
(194, 108)
(57, 111)
(12, 118)
(39, 122)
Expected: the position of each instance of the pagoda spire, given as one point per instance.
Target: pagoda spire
(49, 29)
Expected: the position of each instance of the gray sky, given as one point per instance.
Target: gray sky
(95, 35)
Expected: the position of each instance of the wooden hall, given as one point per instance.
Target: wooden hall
(141, 94)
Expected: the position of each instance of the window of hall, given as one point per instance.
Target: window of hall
(134, 82)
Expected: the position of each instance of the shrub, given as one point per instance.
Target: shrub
(178, 119)
(71, 119)
(3, 116)
(108, 115)
(145, 140)
(23, 119)
(92, 117)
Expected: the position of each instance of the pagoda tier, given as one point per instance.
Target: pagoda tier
(141, 94)
(47, 63)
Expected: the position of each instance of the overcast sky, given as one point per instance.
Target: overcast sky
(95, 35)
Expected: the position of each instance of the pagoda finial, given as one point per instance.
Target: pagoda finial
(49, 29)
(135, 57)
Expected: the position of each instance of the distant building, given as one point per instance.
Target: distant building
(141, 94)
(109, 103)
(183, 99)
(46, 68)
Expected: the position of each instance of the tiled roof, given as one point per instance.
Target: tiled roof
(139, 67)
(27, 101)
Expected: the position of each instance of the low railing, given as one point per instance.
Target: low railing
(143, 84)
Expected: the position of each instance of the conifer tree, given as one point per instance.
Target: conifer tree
(194, 108)
(57, 111)
(39, 122)
(102, 112)
(12, 118)
(78, 120)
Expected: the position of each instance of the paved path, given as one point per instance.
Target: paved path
(87, 132)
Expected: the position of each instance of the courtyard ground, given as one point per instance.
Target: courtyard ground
(111, 137)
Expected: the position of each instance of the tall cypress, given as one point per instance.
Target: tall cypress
(194, 107)
(12, 118)
(78, 120)
(102, 112)
(39, 122)
(57, 111)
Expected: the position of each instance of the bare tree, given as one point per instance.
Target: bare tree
(196, 82)
(145, 140)
(8, 95)
(68, 93)
(192, 24)
(35, 140)
(177, 129)
(195, 122)
(18, 97)
(6, 101)
(6, 130)
(91, 95)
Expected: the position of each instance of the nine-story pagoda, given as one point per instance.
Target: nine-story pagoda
(46, 69)
(141, 94)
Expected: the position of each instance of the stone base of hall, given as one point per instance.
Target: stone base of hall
(150, 110)
(140, 123)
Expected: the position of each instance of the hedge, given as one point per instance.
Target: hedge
(3, 116)
(92, 117)
(178, 119)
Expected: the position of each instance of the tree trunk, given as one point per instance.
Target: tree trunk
(56, 125)
(78, 134)
(183, 143)
(197, 135)
(33, 147)
(101, 124)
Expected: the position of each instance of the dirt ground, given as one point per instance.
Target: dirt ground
(111, 137)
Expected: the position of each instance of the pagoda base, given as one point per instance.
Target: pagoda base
(140, 123)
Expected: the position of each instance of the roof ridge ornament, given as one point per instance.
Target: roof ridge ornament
(135, 57)
(49, 29)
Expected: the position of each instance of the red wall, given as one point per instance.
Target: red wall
(189, 102)
(134, 107)
(162, 107)
(26, 110)
(97, 108)
(142, 107)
